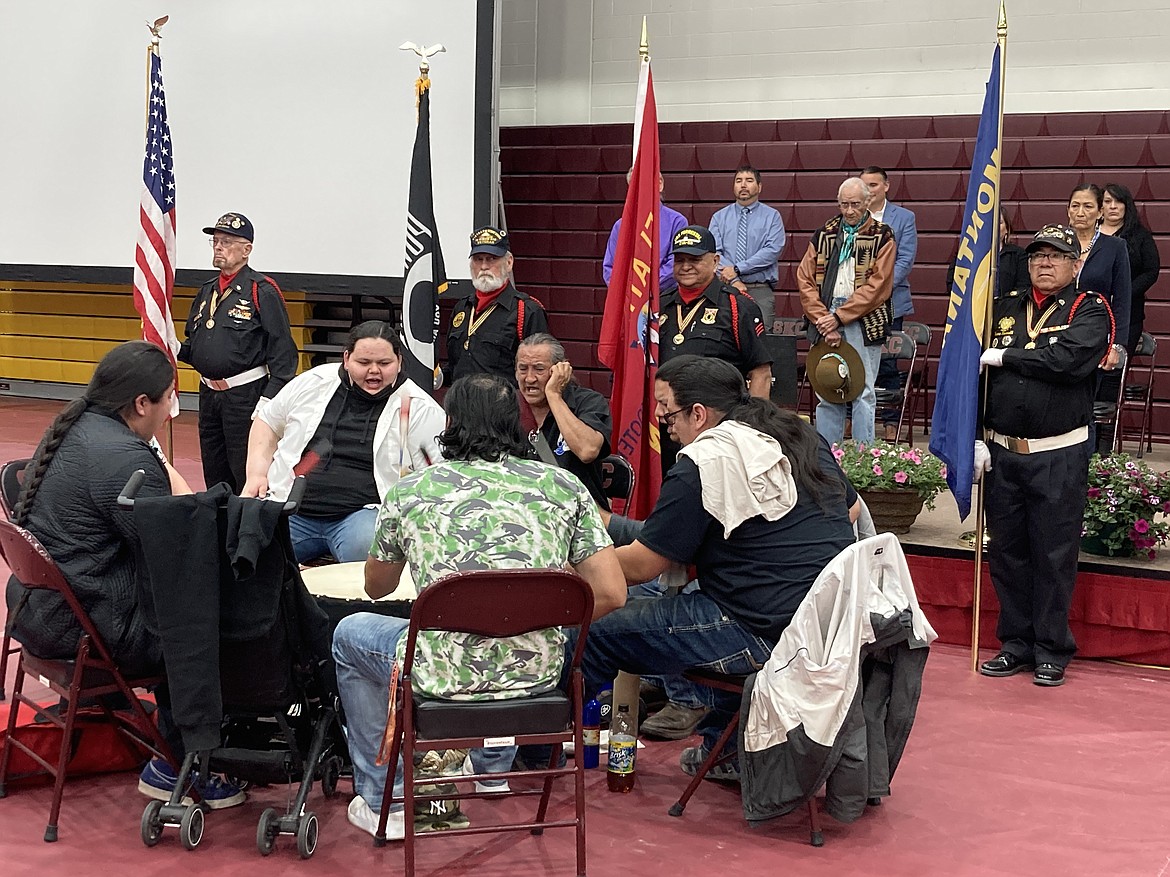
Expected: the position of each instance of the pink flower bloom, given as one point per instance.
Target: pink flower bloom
(1141, 525)
(877, 469)
(877, 452)
(838, 454)
(1094, 492)
(901, 477)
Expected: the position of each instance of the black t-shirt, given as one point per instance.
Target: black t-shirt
(339, 459)
(591, 409)
(761, 572)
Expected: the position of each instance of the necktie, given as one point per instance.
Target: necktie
(741, 236)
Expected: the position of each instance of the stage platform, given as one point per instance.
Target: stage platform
(1121, 606)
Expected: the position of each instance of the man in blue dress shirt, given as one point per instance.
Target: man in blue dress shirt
(670, 223)
(750, 238)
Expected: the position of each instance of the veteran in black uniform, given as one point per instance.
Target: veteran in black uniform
(239, 340)
(1047, 342)
(706, 317)
(488, 325)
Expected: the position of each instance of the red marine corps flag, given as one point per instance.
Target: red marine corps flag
(154, 256)
(629, 329)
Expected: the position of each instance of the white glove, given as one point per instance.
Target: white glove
(991, 357)
(982, 460)
(260, 406)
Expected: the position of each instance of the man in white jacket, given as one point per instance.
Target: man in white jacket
(352, 430)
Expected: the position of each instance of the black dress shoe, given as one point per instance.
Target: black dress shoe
(1004, 664)
(1048, 674)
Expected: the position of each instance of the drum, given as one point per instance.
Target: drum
(339, 589)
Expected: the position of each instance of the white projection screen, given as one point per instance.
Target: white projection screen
(298, 113)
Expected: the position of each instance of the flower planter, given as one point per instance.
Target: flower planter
(893, 511)
(1094, 545)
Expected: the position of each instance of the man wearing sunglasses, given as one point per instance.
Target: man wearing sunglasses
(238, 339)
(1046, 344)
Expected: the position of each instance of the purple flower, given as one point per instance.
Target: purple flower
(1141, 525)
(1094, 492)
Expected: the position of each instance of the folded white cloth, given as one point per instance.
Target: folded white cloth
(743, 473)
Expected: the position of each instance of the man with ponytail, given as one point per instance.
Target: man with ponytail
(757, 504)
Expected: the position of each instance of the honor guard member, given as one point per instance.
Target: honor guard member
(707, 317)
(1046, 345)
(238, 339)
(488, 325)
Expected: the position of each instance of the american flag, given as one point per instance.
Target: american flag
(154, 257)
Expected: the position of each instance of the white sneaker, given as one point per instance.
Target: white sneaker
(361, 816)
(497, 786)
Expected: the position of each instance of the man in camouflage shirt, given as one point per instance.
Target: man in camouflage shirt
(485, 507)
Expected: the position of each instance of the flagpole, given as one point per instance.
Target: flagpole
(152, 49)
(977, 592)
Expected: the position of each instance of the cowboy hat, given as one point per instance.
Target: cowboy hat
(836, 373)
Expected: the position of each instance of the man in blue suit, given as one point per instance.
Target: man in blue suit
(905, 231)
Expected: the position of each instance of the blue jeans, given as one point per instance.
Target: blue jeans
(667, 636)
(363, 648)
(347, 539)
(831, 415)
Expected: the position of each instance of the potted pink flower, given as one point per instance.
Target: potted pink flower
(895, 480)
(1126, 507)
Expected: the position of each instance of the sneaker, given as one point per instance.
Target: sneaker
(361, 816)
(157, 781)
(497, 786)
(675, 721)
(692, 759)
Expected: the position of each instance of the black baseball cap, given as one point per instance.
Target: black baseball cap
(696, 240)
(1059, 237)
(491, 240)
(232, 223)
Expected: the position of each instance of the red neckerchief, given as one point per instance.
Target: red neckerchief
(689, 295)
(1040, 297)
(225, 280)
(485, 300)
(527, 417)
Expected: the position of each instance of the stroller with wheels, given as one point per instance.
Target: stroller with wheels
(252, 687)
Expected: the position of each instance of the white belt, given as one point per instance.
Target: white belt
(252, 374)
(1034, 446)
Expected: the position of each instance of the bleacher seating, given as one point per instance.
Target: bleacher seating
(803, 160)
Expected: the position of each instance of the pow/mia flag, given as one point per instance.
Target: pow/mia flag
(426, 279)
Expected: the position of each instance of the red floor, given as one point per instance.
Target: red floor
(999, 778)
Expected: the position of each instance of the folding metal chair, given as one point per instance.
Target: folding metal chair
(918, 381)
(617, 479)
(91, 675)
(900, 347)
(733, 684)
(1107, 413)
(494, 603)
(11, 478)
(1139, 396)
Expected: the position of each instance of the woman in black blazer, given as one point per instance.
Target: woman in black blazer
(1106, 260)
(1120, 219)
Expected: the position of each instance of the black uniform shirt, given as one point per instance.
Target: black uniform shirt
(1045, 386)
(249, 328)
(711, 331)
(591, 408)
(492, 347)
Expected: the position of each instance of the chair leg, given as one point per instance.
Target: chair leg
(548, 782)
(5, 651)
(713, 757)
(388, 786)
(6, 749)
(66, 741)
(815, 837)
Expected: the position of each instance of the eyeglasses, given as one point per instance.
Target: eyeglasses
(224, 242)
(538, 369)
(1049, 258)
(850, 205)
(669, 416)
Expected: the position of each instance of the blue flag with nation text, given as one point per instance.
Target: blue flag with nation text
(956, 405)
